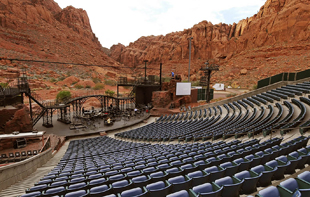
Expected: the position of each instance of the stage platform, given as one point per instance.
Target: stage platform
(62, 129)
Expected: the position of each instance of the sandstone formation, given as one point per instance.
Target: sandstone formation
(41, 30)
(21, 121)
(278, 37)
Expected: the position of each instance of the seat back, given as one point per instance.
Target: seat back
(182, 193)
(177, 179)
(212, 169)
(290, 184)
(272, 163)
(242, 175)
(132, 192)
(156, 186)
(226, 164)
(305, 176)
(203, 188)
(258, 169)
(224, 181)
(139, 179)
(121, 183)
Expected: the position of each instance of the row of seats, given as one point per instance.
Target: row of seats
(156, 174)
(205, 126)
(300, 186)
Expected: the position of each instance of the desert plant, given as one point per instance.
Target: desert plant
(63, 95)
(98, 86)
(4, 85)
(109, 92)
(88, 86)
(78, 86)
(96, 80)
(109, 82)
(53, 80)
(231, 95)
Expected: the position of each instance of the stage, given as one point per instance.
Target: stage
(62, 129)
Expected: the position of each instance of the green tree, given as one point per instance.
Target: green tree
(109, 92)
(63, 95)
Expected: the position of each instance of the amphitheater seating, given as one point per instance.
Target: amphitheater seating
(112, 170)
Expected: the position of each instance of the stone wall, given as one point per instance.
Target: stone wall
(15, 172)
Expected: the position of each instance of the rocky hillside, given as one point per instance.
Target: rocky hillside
(41, 30)
(274, 40)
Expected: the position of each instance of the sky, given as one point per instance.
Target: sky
(125, 21)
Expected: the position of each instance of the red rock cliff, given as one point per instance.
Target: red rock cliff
(280, 29)
(40, 29)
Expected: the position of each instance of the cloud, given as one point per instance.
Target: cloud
(123, 21)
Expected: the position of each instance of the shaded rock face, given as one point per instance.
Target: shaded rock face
(279, 28)
(21, 121)
(40, 29)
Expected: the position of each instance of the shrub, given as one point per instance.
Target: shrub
(96, 80)
(63, 95)
(99, 86)
(4, 85)
(61, 78)
(87, 86)
(53, 80)
(109, 92)
(79, 86)
(231, 95)
(254, 87)
(73, 83)
(109, 82)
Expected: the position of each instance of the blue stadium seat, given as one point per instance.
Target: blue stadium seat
(301, 159)
(215, 172)
(180, 182)
(172, 172)
(250, 181)
(158, 176)
(267, 174)
(135, 192)
(206, 190)
(230, 168)
(54, 191)
(290, 162)
(231, 186)
(199, 177)
(100, 191)
(120, 186)
(244, 164)
(78, 193)
(279, 173)
(296, 184)
(305, 176)
(182, 193)
(273, 191)
(97, 182)
(77, 186)
(141, 181)
(160, 188)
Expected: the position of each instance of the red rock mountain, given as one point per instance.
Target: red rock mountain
(40, 29)
(274, 40)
